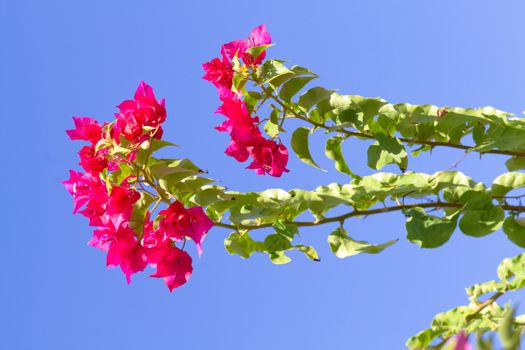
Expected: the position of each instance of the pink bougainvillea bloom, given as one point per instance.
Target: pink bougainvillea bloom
(143, 110)
(101, 239)
(92, 161)
(237, 150)
(129, 126)
(227, 93)
(462, 342)
(125, 251)
(179, 222)
(112, 228)
(85, 187)
(219, 73)
(95, 211)
(170, 223)
(269, 157)
(232, 48)
(240, 125)
(86, 128)
(121, 200)
(173, 264)
(258, 36)
(198, 225)
(233, 109)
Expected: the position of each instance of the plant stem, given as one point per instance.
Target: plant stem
(357, 212)
(484, 304)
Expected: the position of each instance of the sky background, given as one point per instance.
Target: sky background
(82, 58)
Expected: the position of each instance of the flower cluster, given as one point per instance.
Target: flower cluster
(247, 141)
(125, 229)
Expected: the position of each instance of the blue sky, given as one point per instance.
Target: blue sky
(65, 58)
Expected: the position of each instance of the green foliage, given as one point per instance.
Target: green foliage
(344, 246)
(482, 316)
(480, 216)
(273, 71)
(515, 230)
(275, 244)
(434, 204)
(300, 146)
(334, 152)
(387, 150)
(429, 231)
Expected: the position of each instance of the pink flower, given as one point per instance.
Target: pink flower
(232, 48)
(124, 249)
(179, 222)
(87, 129)
(143, 111)
(246, 138)
(85, 187)
(462, 342)
(259, 36)
(219, 73)
(127, 253)
(238, 151)
(101, 239)
(198, 224)
(95, 211)
(92, 161)
(173, 264)
(121, 201)
(269, 157)
(240, 125)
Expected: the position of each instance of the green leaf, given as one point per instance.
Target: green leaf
(173, 184)
(480, 216)
(156, 144)
(293, 86)
(242, 245)
(273, 69)
(310, 252)
(507, 182)
(179, 168)
(510, 336)
(515, 163)
(238, 81)
(334, 152)
(279, 258)
(387, 150)
(275, 245)
(271, 127)
(504, 138)
(484, 344)
(210, 195)
(138, 215)
(286, 230)
(422, 339)
(512, 267)
(429, 231)
(120, 174)
(298, 70)
(276, 242)
(300, 146)
(256, 51)
(344, 246)
(514, 231)
(312, 97)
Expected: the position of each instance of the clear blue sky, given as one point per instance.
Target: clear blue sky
(65, 58)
